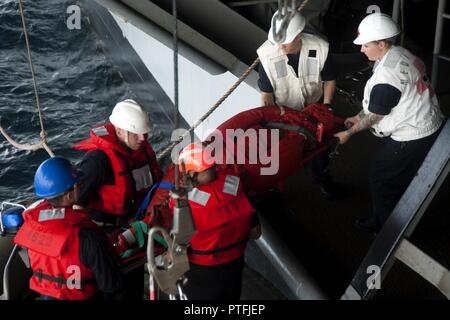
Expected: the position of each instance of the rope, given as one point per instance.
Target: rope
(29, 147)
(43, 141)
(167, 149)
(304, 3)
(30, 62)
(175, 61)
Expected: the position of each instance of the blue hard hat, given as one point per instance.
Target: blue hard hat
(54, 177)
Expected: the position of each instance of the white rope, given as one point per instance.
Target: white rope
(43, 135)
(29, 147)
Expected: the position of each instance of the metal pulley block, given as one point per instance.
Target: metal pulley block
(169, 268)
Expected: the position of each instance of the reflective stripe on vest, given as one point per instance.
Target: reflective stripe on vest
(142, 177)
(52, 214)
(198, 196)
(231, 185)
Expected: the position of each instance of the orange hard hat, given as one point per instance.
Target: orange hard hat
(195, 158)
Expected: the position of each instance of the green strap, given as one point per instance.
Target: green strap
(141, 230)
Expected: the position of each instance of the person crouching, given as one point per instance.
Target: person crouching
(69, 256)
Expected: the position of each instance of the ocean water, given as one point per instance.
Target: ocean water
(78, 87)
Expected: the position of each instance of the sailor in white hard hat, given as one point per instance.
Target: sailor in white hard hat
(400, 107)
(119, 164)
(295, 73)
(119, 167)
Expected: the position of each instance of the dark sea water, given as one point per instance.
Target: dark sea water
(78, 87)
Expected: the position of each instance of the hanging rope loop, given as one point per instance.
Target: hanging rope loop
(43, 134)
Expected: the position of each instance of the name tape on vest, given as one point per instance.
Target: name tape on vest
(51, 214)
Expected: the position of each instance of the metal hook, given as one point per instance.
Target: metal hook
(181, 293)
(286, 10)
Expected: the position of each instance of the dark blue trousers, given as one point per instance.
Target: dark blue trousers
(394, 166)
(220, 282)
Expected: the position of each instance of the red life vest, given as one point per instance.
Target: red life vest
(51, 236)
(134, 171)
(222, 217)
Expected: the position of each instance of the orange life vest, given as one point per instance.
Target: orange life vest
(134, 172)
(51, 236)
(222, 217)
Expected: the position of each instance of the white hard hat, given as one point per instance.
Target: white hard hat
(128, 115)
(374, 27)
(296, 25)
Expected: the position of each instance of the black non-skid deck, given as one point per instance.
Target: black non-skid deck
(321, 233)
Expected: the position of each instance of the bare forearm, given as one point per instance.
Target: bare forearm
(267, 99)
(328, 91)
(361, 114)
(366, 121)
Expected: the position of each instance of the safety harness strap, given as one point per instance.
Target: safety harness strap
(60, 280)
(299, 129)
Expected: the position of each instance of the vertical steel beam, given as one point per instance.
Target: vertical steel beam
(438, 41)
